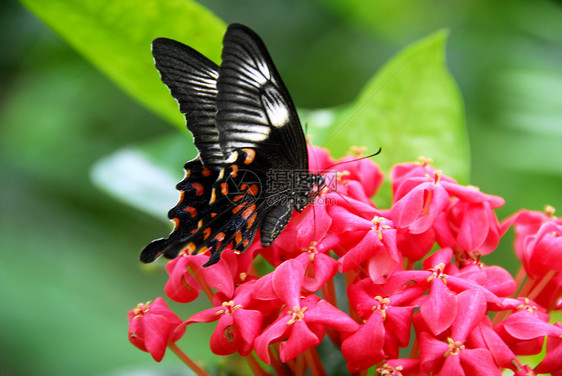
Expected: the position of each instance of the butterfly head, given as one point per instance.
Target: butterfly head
(307, 190)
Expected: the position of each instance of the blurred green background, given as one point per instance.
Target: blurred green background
(68, 266)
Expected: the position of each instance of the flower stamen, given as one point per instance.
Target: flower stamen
(142, 309)
(437, 272)
(455, 347)
(297, 314)
(527, 306)
(383, 305)
(378, 226)
(229, 308)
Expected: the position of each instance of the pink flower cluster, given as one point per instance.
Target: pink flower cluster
(413, 268)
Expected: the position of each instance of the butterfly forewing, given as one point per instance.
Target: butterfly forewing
(254, 108)
(192, 80)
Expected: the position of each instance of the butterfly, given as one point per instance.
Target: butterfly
(252, 169)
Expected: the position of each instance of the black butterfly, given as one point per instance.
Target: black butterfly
(250, 141)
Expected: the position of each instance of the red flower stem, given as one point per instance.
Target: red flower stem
(540, 286)
(519, 280)
(415, 351)
(527, 287)
(500, 316)
(256, 368)
(349, 278)
(201, 281)
(187, 360)
(314, 363)
(334, 337)
(301, 366)
(279, 367)
(329, 292)
(410, 264)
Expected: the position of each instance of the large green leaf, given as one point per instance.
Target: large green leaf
(411, 108)
(116, 38)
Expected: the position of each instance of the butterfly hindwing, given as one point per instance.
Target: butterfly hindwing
(195, 192)
(233, 210)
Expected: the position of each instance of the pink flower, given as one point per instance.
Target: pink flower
(237, 325)
(449, 353)
(152, 326)
(524, 330)
(440, 306)
(543, 252)
(418, 202)
(303, 320)
(471, 228)
(386, 325)
(183, 287)
(484, 336)
(290, 297)
(375, 243)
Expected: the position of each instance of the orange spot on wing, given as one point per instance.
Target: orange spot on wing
(176, 222)
(199, 189)
(207, 233)
(202, 250)
(213, 215)
(245, 243)
(191, 210)
(182, 196)
(252, 220)
(238, 198)
(249, 210)
(206, 171)
(190, 247)
(200, 223)
(238, 208)
(243, 187)
(238, 237)
(220, 236)
(187, 174)
(250, 155)
(213, 196)
(234, 172)
(224, 188)
(253, 190)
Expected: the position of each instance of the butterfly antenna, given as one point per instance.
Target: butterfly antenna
(353, 160)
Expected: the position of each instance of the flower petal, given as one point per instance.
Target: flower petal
(300, 339)
(440, 309)
(364, 348)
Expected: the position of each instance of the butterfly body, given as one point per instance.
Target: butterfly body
(246, 129)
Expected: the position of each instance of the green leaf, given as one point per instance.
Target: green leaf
(145, 176)
(411, 107)
(116, 36)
